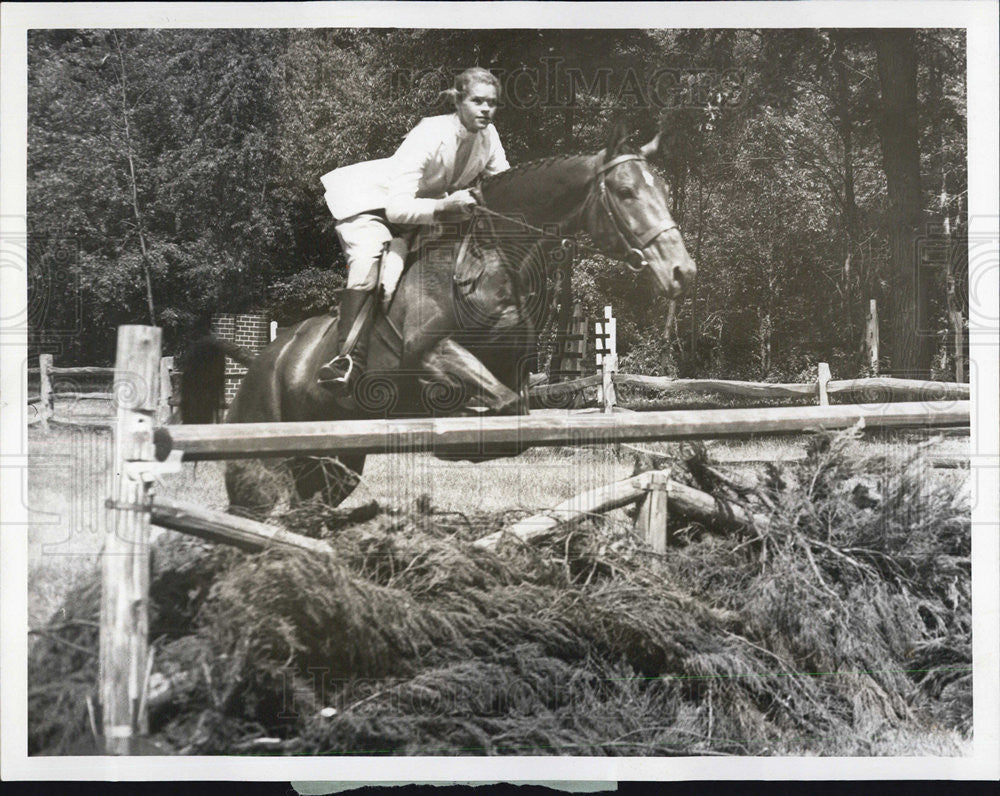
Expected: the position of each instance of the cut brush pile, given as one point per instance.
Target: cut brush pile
(838, 627)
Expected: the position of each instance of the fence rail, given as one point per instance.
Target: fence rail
(747, 388)
(449, 434)
(877, 389)
(50, 389)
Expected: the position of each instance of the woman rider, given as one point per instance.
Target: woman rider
(424, 181)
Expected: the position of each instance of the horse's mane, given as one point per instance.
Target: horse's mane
(547, 189)
(541, 167)
(538, 168)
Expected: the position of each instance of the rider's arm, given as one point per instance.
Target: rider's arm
(498, 158)
(407, 168)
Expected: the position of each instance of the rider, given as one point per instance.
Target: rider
(426, 179)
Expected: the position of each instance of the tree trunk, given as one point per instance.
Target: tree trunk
(911, 346)
(850, 209)
(693, 354)
(955, 318)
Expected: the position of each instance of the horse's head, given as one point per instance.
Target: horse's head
(628, 217)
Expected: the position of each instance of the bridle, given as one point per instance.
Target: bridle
(634, 259)
(632, 242)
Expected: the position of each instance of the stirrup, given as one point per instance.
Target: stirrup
(344, 379)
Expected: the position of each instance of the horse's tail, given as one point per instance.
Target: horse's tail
(203, 378)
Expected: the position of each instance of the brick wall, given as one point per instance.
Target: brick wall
(248, 330)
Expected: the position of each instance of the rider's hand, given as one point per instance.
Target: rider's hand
(455, 205)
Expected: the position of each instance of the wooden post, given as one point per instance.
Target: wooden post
(823, 377)
(959, 335)
(652, 518)
(274, 330)
(871, 338)
(166, 391)
(611, 330)
(125, 558)
(46, 406)
(609, 366)
(578, 339)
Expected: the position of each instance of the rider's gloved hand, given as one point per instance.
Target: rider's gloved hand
(455, 205)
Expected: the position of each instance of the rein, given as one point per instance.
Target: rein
(566, 242)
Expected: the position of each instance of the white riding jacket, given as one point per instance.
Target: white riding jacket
(408, 184)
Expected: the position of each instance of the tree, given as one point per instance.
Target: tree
(910, 346)
(126, 111)
(774, 142)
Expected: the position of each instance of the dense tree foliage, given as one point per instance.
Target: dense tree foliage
(181, 169)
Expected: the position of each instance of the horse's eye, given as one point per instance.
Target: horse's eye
(627, 193)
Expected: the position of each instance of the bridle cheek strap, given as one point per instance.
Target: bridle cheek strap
(634, 257)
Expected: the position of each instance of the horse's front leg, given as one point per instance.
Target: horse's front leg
(449, 372)
(453, 374)
(456, 374)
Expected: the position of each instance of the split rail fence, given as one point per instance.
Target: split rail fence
(876, 390)
(51, 381)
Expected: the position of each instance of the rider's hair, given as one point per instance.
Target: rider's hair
(465, 81)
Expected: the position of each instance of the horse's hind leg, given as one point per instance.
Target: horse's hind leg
(333, 479)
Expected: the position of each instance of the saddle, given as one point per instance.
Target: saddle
(477, 263)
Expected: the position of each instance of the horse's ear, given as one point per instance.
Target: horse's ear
(648, 150)
(616, 140)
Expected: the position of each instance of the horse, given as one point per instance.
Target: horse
(462, 324)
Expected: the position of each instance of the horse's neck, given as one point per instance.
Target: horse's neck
(548, 193)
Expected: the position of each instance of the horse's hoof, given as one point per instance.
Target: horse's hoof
(471, 410)
(511, 407)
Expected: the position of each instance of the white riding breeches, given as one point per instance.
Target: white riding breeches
(364, 238)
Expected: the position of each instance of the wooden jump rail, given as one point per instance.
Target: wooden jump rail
(44, 399)
(144, 450)
(928, 390)
(448, 434)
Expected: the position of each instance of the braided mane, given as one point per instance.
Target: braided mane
(548, 189)
(539, 165)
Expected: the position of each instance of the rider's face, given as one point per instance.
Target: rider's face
(476, 108)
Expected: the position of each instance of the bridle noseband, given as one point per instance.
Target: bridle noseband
(635, 260)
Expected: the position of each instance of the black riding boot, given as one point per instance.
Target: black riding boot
(341, 372)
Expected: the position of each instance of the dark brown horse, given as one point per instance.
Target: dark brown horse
(462, 324)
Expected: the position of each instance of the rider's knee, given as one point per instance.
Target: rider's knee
(362, 273)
